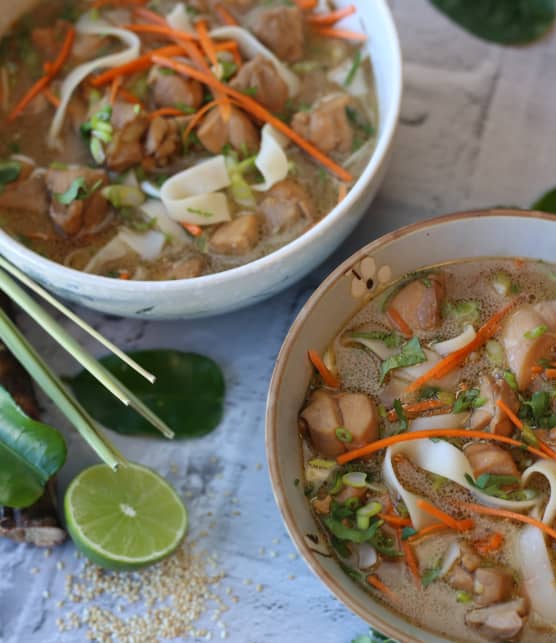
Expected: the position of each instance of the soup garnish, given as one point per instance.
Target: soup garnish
(170, 140)
(429, 442)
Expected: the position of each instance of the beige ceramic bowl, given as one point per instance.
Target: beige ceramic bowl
(248, 284)
(489, 233)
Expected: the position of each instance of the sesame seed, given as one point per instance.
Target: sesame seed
(60, 565)
(259, 588)
(47, 553)
(46, 594)
(291, 577)
(292, 556)
(275, 541)
(35, 570)
(258, 466)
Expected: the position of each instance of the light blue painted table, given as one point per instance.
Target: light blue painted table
(478, 129)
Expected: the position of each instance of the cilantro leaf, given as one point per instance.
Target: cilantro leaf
(410, 354)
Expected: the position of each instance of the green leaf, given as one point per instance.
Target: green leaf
(77, 191)
(466, 400)
(188, 393)
(391, 340)
(9, 172)
(546, 203)
(410, 354)
(342, 532)
(430, 575)
(30, 454)
(508, 22)
(400, 414)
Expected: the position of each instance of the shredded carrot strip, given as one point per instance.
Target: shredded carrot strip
(490, 544)
(328, 377)
(453, 360)
(378, 584)
(537, 369)
(162, 30)
(519, 424)
(326, 19)
(225, 16)
(399, 322)
(379, 445)
(194, 230)
(45, 81)
(150, 16)
(341, 34)
(231, 46)
(258, 111)
(550, 373)
(546, 449)
(129, 97)
(395, 521)
(51, 97)
(139, 64)
(123, 274)
(306, 5)
(416, 408)
(443, 517)
(116, 84)
(206, 41)
(196, 118)
(166, 111)
(426, 531)
(342, 192)
(117, 3)
(411, 562)
(504, 513)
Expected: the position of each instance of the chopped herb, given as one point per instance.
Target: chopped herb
(510, 379)
(323, 174)
(391, 340)
(464, 311)
(357, 144)
(357, 121)
(407, 532)
(400, 414)
(14, 148)
(466, 400)
(192, 11)
(308, 489)
(354, 68)
(296, 482)
(430, 575)
(186, 109)
(343, 434)
(410, 354)
(464, 597)
(498, 486)
(428, 392)
(351, 534)
(166, 72)
(9, 172)
(438, 482)
(536, 332)
(201, 213)
(59, 166)
(77, 191)
(229, 68)
(137, 109)
(426, 282)
(250, 91)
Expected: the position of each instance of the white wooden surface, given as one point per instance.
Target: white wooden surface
(478, 129)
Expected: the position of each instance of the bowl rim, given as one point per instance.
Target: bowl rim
(62, 273)
(271, 433)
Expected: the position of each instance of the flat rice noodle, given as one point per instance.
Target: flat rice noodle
(546, 468)
(155, 210)
(251, 47)
(443, 459)
(271, 160)
(148, 245)
(455, 343)
(179, 19)
(87, 25)
(192, 195)
(444, 421)
(115, 249)
(538, 577)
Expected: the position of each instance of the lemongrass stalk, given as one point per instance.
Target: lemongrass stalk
(57, 332)
(39, 290)
(53, 387)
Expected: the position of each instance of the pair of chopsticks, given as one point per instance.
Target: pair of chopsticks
(51, 383)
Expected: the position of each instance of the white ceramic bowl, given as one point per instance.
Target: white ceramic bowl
(494, 233)
(226, 291)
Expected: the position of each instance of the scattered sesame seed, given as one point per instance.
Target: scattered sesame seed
(236, 513)
(259, 588)
(47, 553)
(292, 556)
(275, 541)
(272, 554)
(258, 466)
(35, 570)
(60, 565)
(46, 594)
(291, 577)
(262, 551)
(247, 581)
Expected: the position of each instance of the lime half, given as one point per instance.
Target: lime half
(125, 519)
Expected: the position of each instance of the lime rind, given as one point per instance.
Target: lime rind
(108, 516)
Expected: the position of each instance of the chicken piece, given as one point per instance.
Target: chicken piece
(236, 237)
(182, 269)
(163, 140)
(281, 29)
(81, 215)
(490, 458)
(285, 204)
(322, 505)
(360, 417)
(260, 75)
(326, 125)
(470, 560)
(492, 585)
(125, 150)
(29, 195)
(461, 579)
(171, 90)
(239, 132)
(322, 417)
(502, 622)
(87, 46)
(522, 352)
(419, 302)
(489, 413)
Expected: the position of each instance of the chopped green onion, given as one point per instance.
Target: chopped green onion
(400, 414)
(123, 196)
(352, 503)
(536, 332)
(464, 597)
(77, 191)
(502, 283)
(97, 151)
(320, 463)
(446, 397)
(354, 68)
(356, 479)
(466, 400)
(495, 352)
(343, 434)
(365, 513)
(510, 379)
